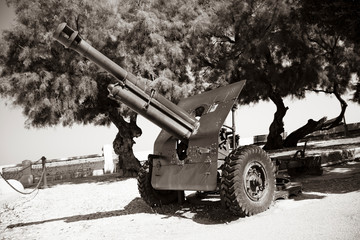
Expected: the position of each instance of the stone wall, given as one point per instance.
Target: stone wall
(78, 167)
(339, 131)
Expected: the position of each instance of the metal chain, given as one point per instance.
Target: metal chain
(30, 165)
(37, 186)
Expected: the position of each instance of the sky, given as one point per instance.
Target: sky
(18, 144)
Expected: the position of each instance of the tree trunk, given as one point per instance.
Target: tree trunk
(309, 127)
(274, 139)
(338, 120)
(124, 142)
(322, 124)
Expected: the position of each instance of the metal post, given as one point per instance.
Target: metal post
(43, 161)
(233, 109)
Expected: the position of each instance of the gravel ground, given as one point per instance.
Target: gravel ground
(329, 208)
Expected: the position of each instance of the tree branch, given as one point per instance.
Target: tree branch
(77, 19)
(336, 38)
(341, 100)
(319, 90)
(117, 119)
(206, 61)
(313, 40)
(226, 38)
(323, 40)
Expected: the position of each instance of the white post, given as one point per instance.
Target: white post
(108, 159)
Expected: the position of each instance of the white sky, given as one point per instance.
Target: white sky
(18, 143)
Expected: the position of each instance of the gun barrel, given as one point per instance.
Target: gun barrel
(133, 91)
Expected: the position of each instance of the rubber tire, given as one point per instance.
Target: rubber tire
(232, 189)
(153, 197)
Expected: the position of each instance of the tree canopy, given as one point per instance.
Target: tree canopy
(55, 85)
(51, 84)
(259, 41)
(282, 48)
(335, 31)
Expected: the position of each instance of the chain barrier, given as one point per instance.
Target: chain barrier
(25, 193)
(30, 165)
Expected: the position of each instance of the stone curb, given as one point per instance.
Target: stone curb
(339, 156)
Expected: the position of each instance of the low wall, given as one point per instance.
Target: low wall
(71, 168)
(339, 131)
(262, 139)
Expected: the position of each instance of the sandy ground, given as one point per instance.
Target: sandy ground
(329, 208)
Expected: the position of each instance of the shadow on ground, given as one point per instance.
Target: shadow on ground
(137, 205)
(200, 210)
(204, 213)
(342, 178)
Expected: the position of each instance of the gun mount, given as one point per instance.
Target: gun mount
(195, 149)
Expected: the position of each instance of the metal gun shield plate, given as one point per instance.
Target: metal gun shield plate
(198, 171)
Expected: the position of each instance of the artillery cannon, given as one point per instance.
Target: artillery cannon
(195, 150)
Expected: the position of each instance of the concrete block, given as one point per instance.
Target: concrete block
(98, 172)
(357, 153)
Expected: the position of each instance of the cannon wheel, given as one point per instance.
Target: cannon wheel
(153, 197)
(248, 181)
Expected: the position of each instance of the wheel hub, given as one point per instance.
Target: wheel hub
(255, 181)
